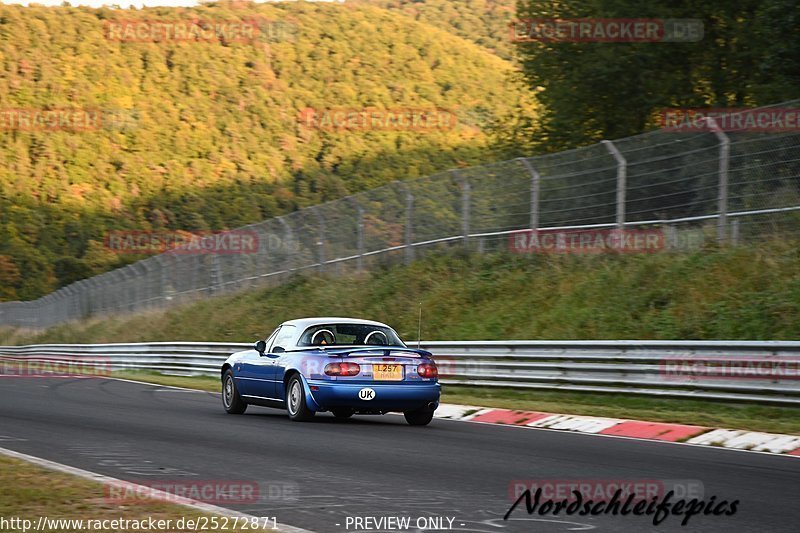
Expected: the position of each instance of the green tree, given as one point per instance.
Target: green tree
(594, 90)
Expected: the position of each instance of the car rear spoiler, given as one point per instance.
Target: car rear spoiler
(386, 352)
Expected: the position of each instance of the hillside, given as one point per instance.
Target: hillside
(484, 22)
(732, 293)
(205, 134)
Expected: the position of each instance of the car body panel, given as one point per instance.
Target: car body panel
(261, 379)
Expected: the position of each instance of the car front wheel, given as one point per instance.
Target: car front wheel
(231, 401)
(296, 401)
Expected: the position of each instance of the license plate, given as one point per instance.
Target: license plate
(387, 372)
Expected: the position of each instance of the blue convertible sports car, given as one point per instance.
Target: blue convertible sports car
(340, 365)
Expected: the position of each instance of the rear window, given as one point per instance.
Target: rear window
(349, 335)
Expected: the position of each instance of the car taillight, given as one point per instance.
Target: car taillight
(428, 370)
(342, 369)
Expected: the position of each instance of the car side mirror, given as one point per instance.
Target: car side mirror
(278, 349)
(260, 347)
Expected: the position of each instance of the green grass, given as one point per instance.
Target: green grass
(205, 383)
(28, 492)
(731, 293)
(697, 412)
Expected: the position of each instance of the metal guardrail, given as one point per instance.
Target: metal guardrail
(749, 371)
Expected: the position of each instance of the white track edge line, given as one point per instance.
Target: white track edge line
(159, 385)
(167, 498)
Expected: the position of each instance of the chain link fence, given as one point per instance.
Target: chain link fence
(659, 191)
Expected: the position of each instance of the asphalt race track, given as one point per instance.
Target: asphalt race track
(315, 475)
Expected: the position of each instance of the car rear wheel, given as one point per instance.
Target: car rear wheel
(231, 401)
(342, 413)
(422, 417)
(296, 401)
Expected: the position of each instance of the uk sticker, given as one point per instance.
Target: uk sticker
(366, 394)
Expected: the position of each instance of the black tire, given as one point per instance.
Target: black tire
(296, 401)
(342, 413)
(231, 401)
(421, 417)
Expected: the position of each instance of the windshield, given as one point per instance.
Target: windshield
(349, 335)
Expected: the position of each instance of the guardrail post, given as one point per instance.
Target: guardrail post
(722, 198)
(735, 232)
(535, 191)
(622, 178)
(321, 261)
(465, 205)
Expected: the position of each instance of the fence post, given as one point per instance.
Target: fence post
(148, 282)
(120, 289)
(83, 298)
(56, 300)
(99, 285)
(622, 178)
(535, 191)
(91, 296)
(465, 206)
(161, 263)
(67, 305)
(408, 236)
(320, 240)
(136, 286)
(130, 288)
(722, 198)
(75, 292)
(216, 273)
(288, 247)
(359, 233)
